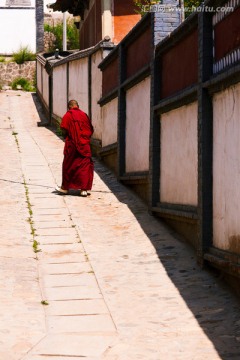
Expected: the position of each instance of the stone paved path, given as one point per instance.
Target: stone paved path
(97, 277)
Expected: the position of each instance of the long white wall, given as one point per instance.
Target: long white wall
(226, 169)
(78, 82)
(39, 76)
(60, 90)
(138, 127)
(45, 86)
(17, 28)
(96, 88)
(109, 118)
(179, 154)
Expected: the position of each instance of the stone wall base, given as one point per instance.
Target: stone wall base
(11, 70)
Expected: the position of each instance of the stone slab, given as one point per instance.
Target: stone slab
(69, 280)
(76, 324)
(57, 345)
(56, 240)
(68, 232)
(54, 210)
(63, 257)
(48, 221)
(72, 293)
(62, 248)
(66, 268)
(47, 202)
(77, 307)
(49, 218)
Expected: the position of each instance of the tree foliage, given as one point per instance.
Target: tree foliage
(57, 30)
(190, 5)
(139, 4)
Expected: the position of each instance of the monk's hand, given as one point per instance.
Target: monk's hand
(64, 133)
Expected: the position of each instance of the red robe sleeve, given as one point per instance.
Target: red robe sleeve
(65, 121)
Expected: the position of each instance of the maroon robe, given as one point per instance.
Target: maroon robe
(77, 168)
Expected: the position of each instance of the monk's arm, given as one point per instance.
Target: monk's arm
(64, 124)
(64, 133)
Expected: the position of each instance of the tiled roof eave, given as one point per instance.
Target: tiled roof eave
(75, 7)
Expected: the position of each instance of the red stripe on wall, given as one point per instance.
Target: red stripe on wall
(180, 66)
(139, 53)
(227, 35)
(110, 77)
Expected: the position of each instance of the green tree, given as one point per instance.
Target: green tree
(189, 6)
(139, 5)
(57, 30)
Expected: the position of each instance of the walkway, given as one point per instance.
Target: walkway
(98, 277)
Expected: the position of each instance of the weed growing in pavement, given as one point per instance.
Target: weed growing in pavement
(33, 231)
(14, 133)
(29, 204)
(35, 246)
(44, 302)
(30, 219)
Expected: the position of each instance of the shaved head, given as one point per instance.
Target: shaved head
(72, 104)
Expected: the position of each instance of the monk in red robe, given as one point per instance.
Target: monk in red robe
(77, 167)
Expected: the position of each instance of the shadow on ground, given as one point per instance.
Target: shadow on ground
(42, 115)
(211, 301)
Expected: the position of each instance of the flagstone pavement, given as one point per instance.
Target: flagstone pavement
(97, 277)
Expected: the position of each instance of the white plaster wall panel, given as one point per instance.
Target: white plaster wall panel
(179, 156)
(45, 79)
(19, 27)
(78, 82)
(226, 169)
(60, 90)
(96, 88)
(138, 126)
(39, 76)
(109, 118)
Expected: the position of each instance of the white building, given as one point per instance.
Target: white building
(21, 24)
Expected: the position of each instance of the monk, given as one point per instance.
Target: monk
(77, 167)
